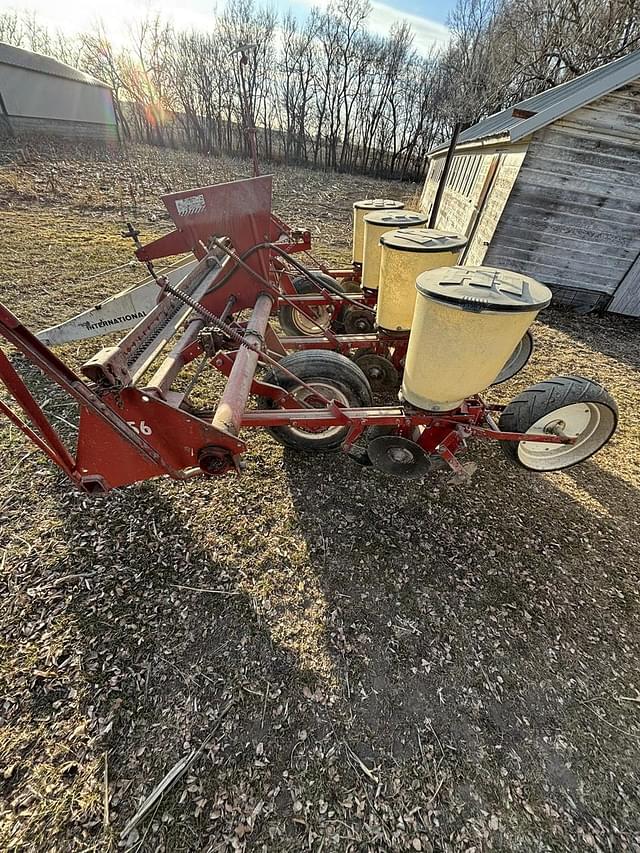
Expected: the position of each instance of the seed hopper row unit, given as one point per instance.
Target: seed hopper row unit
(307, 353)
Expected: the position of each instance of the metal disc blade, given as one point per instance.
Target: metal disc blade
(380, 372)
(399, 457)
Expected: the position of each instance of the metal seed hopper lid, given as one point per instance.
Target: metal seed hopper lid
(395, 218)
(484, 289)
(423, 240)
(378, 204)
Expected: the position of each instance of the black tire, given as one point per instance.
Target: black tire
(593, 406)
(294, 324)
(336, 376)
(348, 285)
(518, 359)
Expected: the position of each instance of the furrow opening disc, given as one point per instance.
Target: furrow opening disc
(398, 457)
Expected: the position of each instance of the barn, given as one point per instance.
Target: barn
(41, 95)
(551, 188)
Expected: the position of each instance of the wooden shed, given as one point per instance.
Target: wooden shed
(41, 95)
(551, 188)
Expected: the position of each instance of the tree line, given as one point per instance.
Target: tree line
(325, 91)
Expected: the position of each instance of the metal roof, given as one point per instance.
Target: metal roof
(16, 56)
(553, 104)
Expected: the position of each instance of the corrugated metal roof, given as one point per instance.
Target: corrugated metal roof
(16, 56)
(554, 103)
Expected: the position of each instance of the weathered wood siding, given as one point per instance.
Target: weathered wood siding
(489, 214)
(573, 217)
(75, 130)
(626, 299)
(30, 94)
(473, 206)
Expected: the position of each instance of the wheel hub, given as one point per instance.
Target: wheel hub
(316, 401)
(398, 457)
(321, 315)
(357, 320)
(556, 427)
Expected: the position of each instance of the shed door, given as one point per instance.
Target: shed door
(626, 299)
(479, 208)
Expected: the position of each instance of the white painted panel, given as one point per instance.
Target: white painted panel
(494, 205)
(115, 314)
(29, 93)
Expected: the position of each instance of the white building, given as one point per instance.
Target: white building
(41, 95)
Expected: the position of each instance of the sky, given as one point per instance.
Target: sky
(427, 17)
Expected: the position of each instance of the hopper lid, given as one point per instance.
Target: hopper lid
(484, 289)
(395, 218)
(378, 204)
(423, 240)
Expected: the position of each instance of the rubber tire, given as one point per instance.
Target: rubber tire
(348, 285)
(545, 397)
(334, 369)
(302, 285)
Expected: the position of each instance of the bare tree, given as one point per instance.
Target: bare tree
(326, 92)
(11, 29)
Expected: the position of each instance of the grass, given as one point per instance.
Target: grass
(414, 666)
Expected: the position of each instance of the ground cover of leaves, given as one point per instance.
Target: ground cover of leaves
(413, 666)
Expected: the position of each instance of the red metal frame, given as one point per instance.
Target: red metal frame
(133, 427)
(206, 212)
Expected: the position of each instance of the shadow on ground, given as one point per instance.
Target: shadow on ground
(498, 618)
(475, 643)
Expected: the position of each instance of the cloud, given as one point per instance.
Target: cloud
(118, 16)
(428, 33)
(72, 16)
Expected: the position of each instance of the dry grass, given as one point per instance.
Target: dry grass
(414, 666)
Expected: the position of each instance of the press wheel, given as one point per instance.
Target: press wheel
(517, 360)
(566, 405)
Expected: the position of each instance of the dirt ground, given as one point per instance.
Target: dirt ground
(412, 666)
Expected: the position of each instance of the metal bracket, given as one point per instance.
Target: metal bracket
(461, 473)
